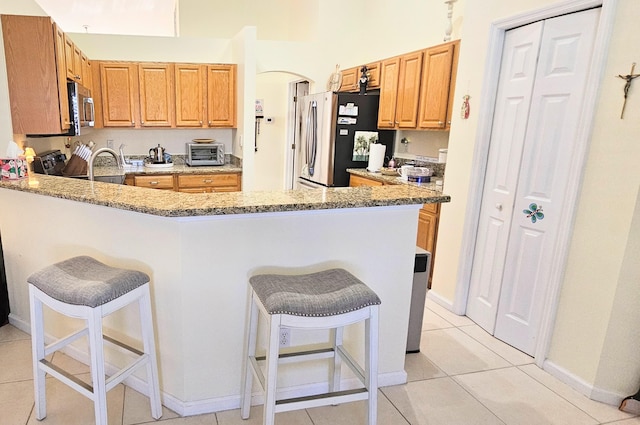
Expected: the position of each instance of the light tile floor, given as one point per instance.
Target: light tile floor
(461, 376)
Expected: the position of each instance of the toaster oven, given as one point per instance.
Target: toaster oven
(205, 154)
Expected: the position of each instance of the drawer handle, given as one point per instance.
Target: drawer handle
(207, 181)
(153, 183)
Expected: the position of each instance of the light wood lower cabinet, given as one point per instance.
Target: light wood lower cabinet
(428, 219)
(190, 183)
(206, 183)
(355, 181)
(158, 181)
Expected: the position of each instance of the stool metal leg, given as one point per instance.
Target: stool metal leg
(273, 324)
(371, 364)
(250, 352)
(150, 348)
(96, 348)
(37, 348)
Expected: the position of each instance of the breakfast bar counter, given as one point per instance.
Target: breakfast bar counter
(200, 250)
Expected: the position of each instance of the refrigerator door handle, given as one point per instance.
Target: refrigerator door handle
(312, 136)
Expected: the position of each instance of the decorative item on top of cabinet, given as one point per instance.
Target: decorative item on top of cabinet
(428, 219)
(36, 74)
(438, 85)
(221, 95)
(351, 76)
(400, 91)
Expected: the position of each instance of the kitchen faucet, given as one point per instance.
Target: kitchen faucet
(95, 154)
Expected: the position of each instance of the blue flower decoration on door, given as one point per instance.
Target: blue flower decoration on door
(534, 212)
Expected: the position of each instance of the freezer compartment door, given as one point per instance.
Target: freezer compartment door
(315, 156)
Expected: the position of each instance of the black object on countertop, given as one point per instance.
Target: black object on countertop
(4, 294)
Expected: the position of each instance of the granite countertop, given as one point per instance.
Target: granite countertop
(112, 170)
(362, 172)
(176, 204)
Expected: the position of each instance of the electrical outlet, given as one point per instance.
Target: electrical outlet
(285, 337)
(110, 144)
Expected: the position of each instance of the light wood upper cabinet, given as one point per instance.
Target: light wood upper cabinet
(409, 90)
(61, 67)
(73, 60)
(400, 91)
(221, 95)
(438, 84)
(389, 71)
(87, 74)
(119, 92)
(351, 77)
(156, 95)
(149, 94)
(190, 85)
(37, 92)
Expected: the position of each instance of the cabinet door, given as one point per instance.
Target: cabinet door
(436, 81)
(63, 94)
(87, 76)
(119, 86)
(198, 183)
(30, 57)
(156, 95)
(349, 80)
(189, 95)
(356, 181)
(221, 95)
(374, 75)
(164, 181)
(428, 219)
(409, 90)
(389, 72)
(73, 60)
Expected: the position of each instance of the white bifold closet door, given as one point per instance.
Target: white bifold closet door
(542, 78)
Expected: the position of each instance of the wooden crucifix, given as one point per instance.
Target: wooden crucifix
(628, 78)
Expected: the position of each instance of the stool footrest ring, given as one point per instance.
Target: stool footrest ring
(336, 397)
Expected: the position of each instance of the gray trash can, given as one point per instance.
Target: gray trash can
(421, 267)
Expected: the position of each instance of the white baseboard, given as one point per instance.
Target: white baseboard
(19, 323)
(440, 300)
(583, 387)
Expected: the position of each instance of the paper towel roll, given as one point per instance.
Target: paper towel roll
(376, 156)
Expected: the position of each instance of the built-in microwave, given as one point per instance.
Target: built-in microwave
(205, 154)
(81, 107)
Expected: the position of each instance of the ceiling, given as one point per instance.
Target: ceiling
(131, 17)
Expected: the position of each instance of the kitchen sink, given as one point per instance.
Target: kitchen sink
(117, 179)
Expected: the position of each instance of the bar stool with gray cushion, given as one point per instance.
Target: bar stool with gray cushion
(330, 299)
(84, 288)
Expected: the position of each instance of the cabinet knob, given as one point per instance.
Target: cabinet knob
(440, 123)
(200, 122)
(448, 122)
(133, 123)
(499, 207)
(142, 122)
(210, 123)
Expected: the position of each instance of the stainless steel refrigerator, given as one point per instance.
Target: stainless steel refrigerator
(336, 130)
